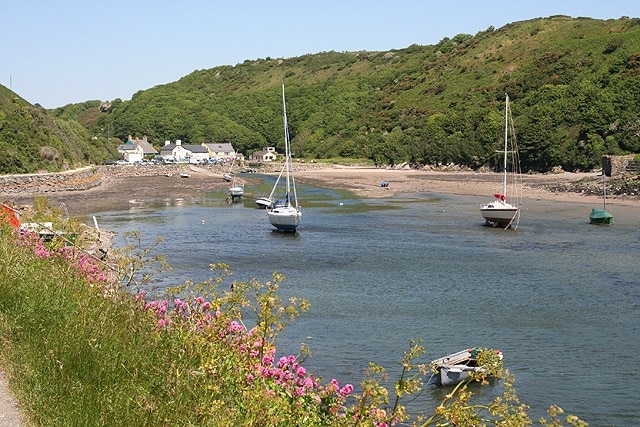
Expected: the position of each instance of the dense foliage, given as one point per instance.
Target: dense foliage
(82, 346)
(574, 85)
(32, 140)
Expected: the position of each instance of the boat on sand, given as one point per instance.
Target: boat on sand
(501, 213)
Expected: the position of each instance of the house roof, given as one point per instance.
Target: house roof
(225, 147)
(196, 148)
(147, 148)
(127, 147)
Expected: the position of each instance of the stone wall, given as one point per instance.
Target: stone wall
(616, 165)
(81, 179)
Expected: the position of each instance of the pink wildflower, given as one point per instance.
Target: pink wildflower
(235, 327)
(282, 363)
(346, 390)
(301, 371)
(309, 383)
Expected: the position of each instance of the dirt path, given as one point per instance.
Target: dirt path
(10, 414)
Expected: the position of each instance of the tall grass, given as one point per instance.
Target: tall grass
(83, 349)
(83, 352)
(77, 357)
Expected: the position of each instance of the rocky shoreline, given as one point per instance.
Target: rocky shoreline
(90, 189)
(623, 186)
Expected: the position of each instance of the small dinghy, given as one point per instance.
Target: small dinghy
(455, 368)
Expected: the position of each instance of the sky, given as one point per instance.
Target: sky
(67, 51)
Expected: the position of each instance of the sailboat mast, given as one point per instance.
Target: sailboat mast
(506, 135)
(604, 191)
(286, 140)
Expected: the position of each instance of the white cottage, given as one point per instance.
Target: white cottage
(131, 152)
(175, 152)
(268, 154)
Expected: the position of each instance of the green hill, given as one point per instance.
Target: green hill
(32, 140)
(574, 85)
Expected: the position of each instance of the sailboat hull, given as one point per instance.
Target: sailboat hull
(236, 191)
(499, 214)
(284, 218)
(600, 217)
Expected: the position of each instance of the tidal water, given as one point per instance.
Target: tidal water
(559, 297)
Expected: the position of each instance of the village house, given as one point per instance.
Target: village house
(223, 151)
(135, 150)
(191, 153)
(196, 153)
(268, 154)
(175, 152)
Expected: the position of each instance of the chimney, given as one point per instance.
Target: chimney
(167, 142)
(178, 142)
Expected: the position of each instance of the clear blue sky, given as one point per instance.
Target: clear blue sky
(56, 52)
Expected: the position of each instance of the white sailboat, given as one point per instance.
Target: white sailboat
(236, 191)
(284, 214)
(501, 213)
(264, 202)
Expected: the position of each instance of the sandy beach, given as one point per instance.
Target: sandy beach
(119, 191)
(365, 182)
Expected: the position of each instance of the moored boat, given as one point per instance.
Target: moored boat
(600, 217)
(457, 367)
(501, 213)
(236, 192)
(264, 202)
(284, 214)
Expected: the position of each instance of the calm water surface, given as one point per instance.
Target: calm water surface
(560, 297)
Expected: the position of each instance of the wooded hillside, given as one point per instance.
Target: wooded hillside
(31, 140)
(574, 85)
